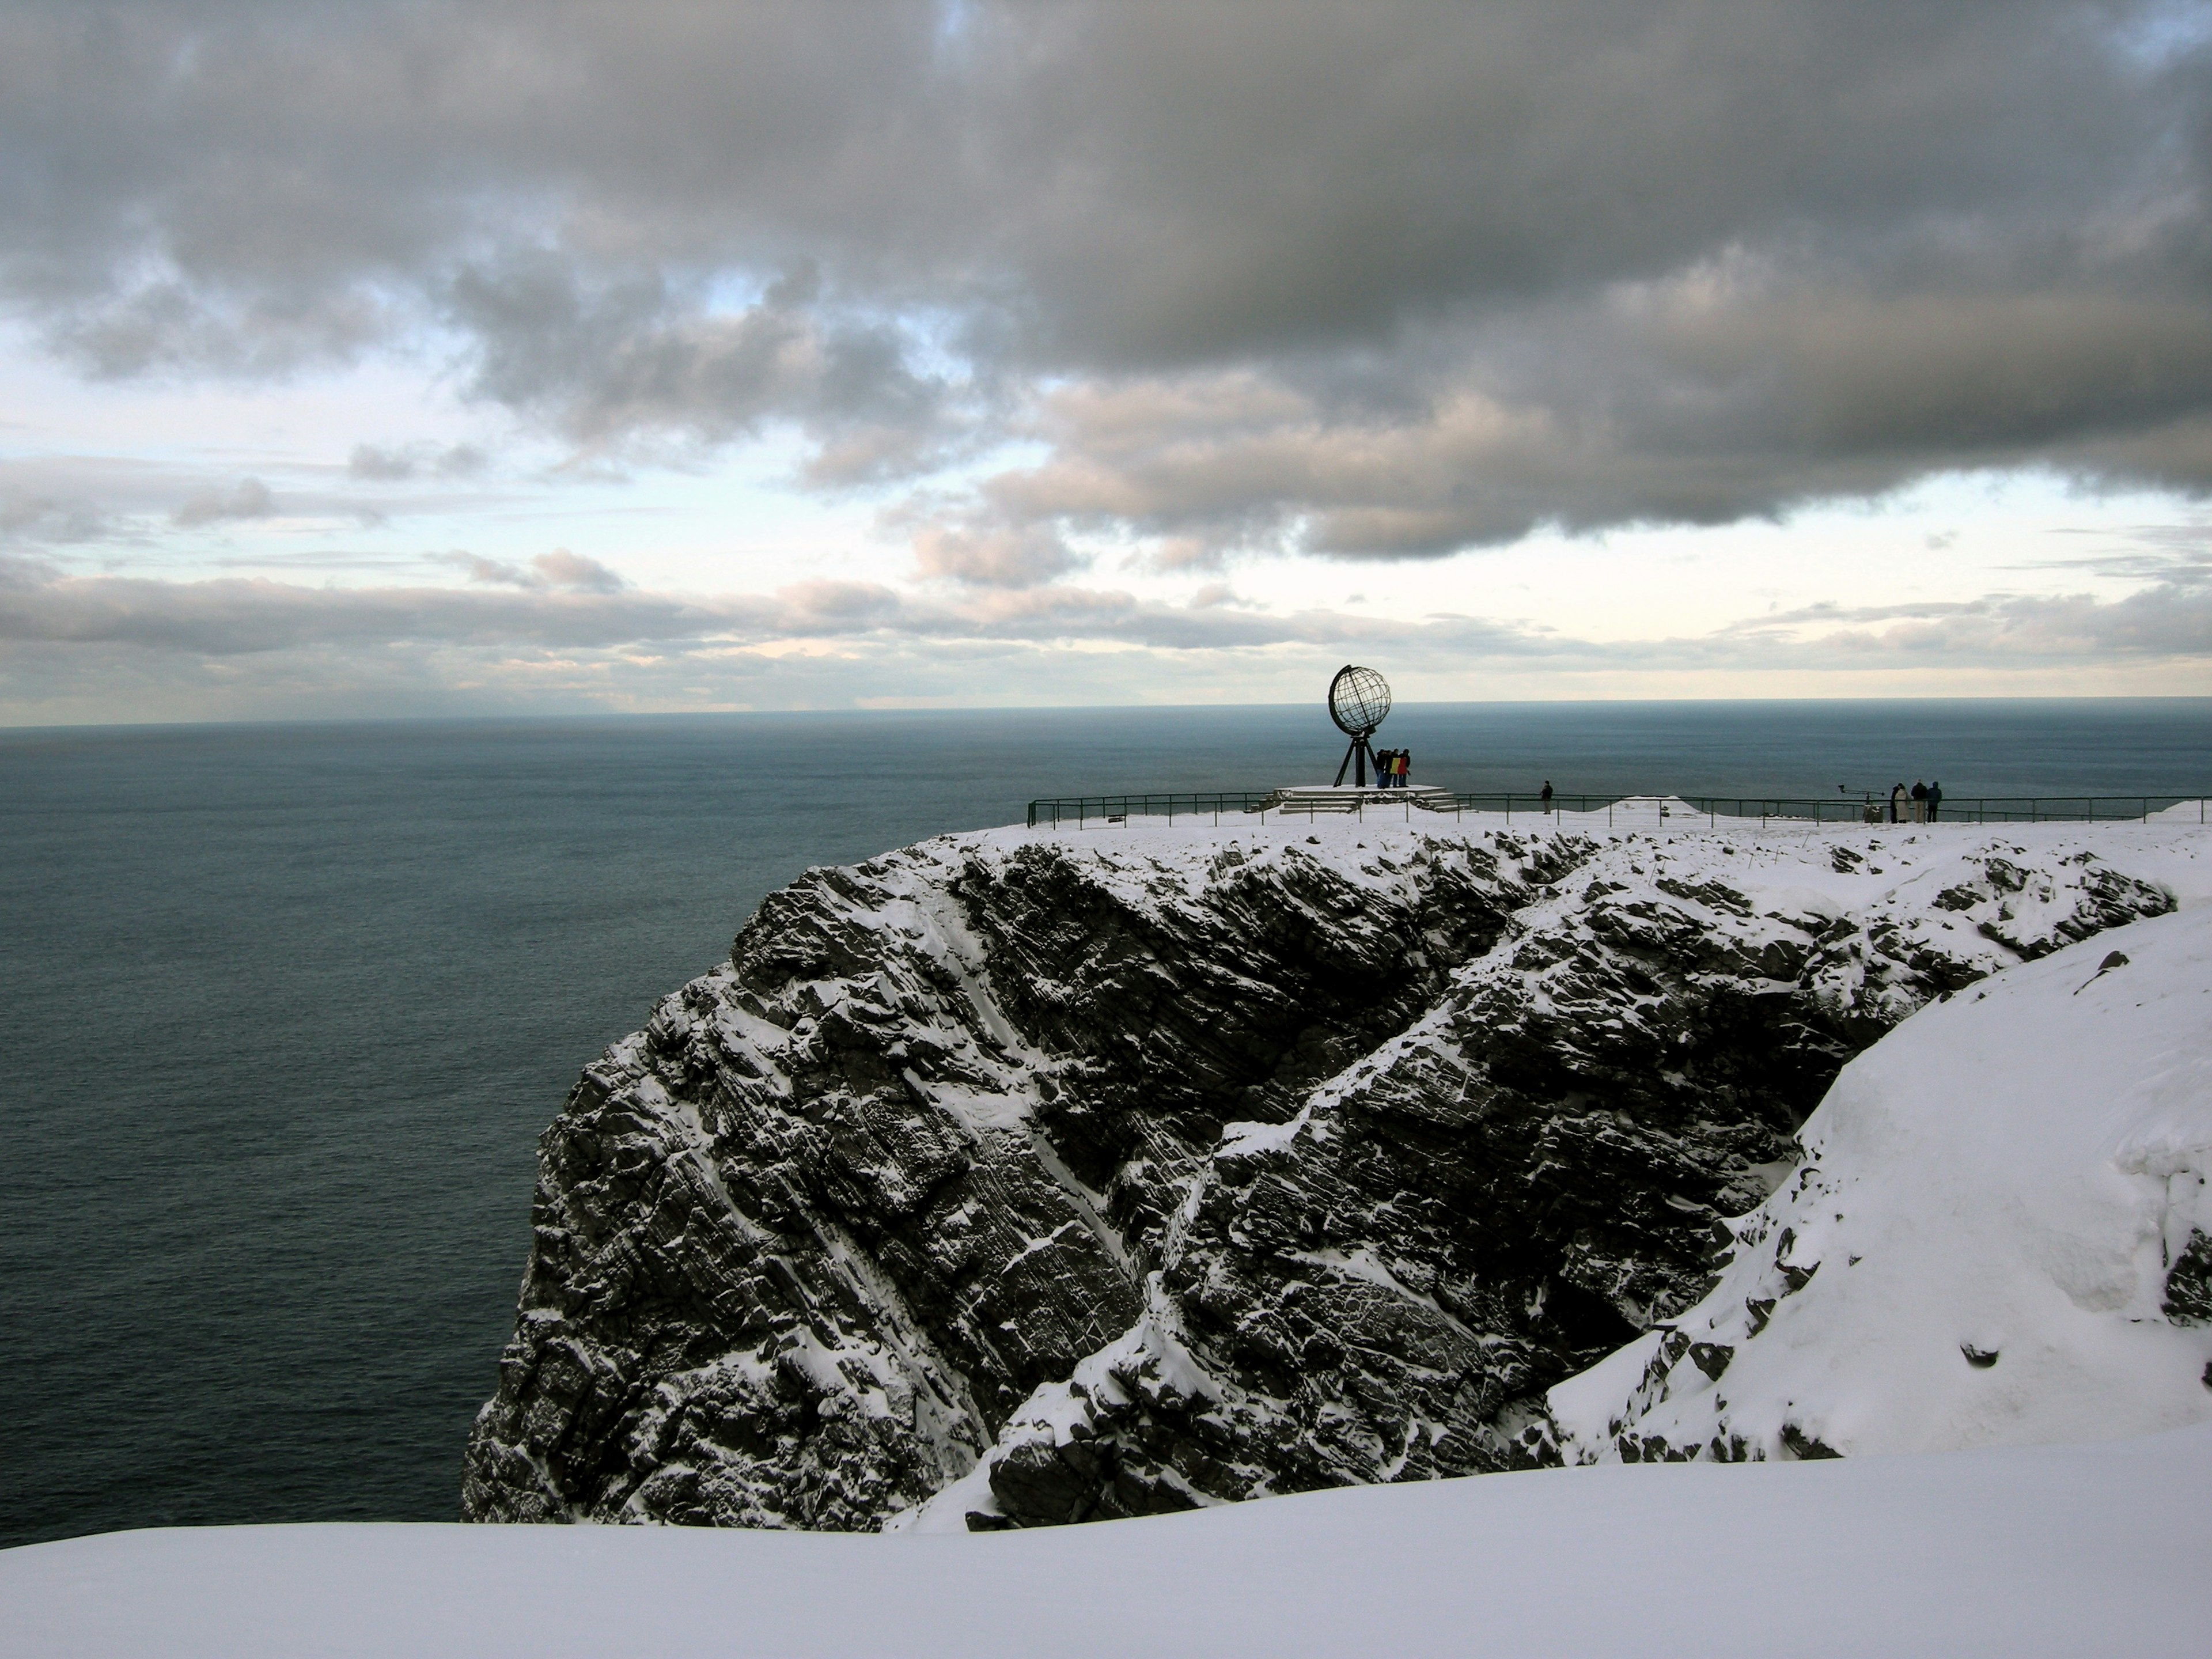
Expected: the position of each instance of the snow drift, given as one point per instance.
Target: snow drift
(2045, 1551)
(1998, 1235)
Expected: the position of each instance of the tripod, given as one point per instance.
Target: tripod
(1363, 755)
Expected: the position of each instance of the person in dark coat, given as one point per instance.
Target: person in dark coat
(1546, 796)
(1934, 799)
(1383, 759)
(1919, 801)
(1897, 802)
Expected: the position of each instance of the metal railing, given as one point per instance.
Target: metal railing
(1083, 810)
(1954, 809)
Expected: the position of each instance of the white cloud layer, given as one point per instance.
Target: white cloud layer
(564, 629)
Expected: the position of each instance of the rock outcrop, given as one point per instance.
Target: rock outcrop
(1049, 1176)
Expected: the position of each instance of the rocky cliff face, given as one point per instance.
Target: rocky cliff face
(1053, 1176)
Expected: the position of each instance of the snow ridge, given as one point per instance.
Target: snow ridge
(1990, 1239)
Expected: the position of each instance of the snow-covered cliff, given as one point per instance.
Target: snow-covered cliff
(2000, 1233)
(1022, 1177)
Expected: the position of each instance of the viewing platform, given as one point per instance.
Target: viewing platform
(1345, 797)
(1603, 811)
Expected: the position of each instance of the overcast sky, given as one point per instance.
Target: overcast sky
(412, 359)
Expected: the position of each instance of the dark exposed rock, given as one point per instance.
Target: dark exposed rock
(1712, 1357)
(1806, 1447)
(1156, 1172)
(2188, 1299)
(1040, 1483)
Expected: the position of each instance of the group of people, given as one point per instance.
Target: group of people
(1918, 805)
(1391, 768)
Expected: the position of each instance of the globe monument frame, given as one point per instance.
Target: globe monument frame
(1358, 701)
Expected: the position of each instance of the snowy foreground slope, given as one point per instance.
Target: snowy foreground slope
(2060, 1551)
(2001, 1233)
(1024, 1177)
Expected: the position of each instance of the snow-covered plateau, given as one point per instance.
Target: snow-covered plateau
(1025, 1177)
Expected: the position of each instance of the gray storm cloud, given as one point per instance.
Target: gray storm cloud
(396, 463)
(249, 498)
(558, 569)
(1370, 281)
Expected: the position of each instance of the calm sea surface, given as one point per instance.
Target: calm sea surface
(283, 1009)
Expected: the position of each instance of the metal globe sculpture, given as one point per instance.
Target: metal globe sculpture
(1359, 699)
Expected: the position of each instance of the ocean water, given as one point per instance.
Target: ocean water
(284, 1008)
